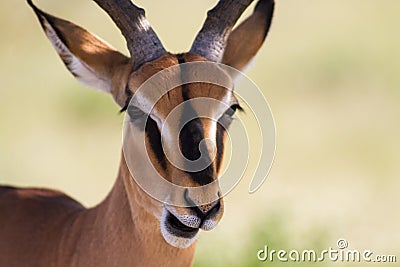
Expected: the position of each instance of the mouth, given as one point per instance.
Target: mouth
(181, 231)
(175, 227)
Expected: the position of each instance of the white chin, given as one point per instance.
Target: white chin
(174, 239)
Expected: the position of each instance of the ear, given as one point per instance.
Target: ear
(92, 61)
(244, 42)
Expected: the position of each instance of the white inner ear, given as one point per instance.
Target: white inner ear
(82, 72)
(235, 74)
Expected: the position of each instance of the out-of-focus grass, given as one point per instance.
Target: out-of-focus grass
(271, 231)
(330, 71)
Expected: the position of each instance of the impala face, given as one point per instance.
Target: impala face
(177, 134)
(179, 138)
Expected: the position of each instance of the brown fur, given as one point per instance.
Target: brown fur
(47, 228)
(60, 232)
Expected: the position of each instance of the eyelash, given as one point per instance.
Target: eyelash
(231, 111)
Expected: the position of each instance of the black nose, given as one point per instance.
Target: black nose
(204, 211)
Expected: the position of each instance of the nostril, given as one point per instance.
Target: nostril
(214, 209)
(203, 211)
(208, 211)
(206, 208)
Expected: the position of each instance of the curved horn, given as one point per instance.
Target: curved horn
(210, 42)
(143, 43)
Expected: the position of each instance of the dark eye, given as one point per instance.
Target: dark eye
(232, 110)
(135, 113)
(137, 116)
(227, 118)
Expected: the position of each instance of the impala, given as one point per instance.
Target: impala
(40, 227)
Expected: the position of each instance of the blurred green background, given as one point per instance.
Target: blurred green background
(331, 73)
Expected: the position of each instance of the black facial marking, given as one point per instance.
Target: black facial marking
(180, 58)
(185, 96)
(190, 137)
(154, 137)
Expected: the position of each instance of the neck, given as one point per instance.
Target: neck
(122, 231)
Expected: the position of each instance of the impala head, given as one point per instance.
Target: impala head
(96, 64)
